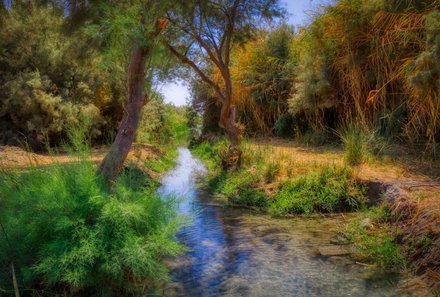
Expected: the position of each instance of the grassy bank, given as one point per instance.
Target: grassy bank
(65, 232)
(278, 184)
(399, 233)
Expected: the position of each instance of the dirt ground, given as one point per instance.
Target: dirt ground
(16, 158)
(399, 166)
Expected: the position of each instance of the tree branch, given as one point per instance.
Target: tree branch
(202, 75)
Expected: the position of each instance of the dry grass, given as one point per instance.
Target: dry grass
(16, 158)
(418, 217)
(398, 165)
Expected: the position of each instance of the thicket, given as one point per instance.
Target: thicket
(58, 69)
(67, 233)
(263, 70)
(374, 64)
(51, 77)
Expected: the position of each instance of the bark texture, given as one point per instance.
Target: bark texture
(114, 160)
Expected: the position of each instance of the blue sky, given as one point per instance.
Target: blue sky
(177, 92)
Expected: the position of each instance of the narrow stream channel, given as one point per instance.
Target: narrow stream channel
(236, 253)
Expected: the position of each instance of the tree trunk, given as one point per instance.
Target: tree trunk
(114, 160)
(228, 122)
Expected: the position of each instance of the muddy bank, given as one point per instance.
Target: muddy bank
(413, 208)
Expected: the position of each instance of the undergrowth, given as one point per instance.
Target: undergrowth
(269, 184)
(65, 231)
(375, 239)
(285, 187)
(360, 144)
(328, 190)
(163, 163)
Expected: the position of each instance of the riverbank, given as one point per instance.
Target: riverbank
(65, 232)
(396, 226)
(241, 252)
(153, 160)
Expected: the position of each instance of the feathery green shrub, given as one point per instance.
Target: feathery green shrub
(64, 230)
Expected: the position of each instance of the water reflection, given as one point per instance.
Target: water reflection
(236, 253)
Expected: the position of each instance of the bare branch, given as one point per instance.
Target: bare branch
(194, 66)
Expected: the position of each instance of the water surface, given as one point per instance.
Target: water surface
(237, 253)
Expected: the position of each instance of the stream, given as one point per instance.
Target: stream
(233, 252)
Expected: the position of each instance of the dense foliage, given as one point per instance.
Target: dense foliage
(328, 190)
(374, 64)
(65, 231)
(162, 123)
(51, 79)
(263, 71)
(58, 70)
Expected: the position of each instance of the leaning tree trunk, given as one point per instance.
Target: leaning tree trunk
(114, 160)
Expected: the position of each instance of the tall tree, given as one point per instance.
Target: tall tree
(143, 34)
(202, 33)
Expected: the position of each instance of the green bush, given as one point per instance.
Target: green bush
(162, 123)
(48, 79)
(64, 230)
(238, 181)
(327, 191)
(164, 163)
(211, 154)
(284, 125)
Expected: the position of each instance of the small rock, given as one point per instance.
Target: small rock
(366, 223)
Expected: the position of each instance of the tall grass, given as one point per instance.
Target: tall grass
(355, 144)
(361, 144)
(65, 231)
(263, 181)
